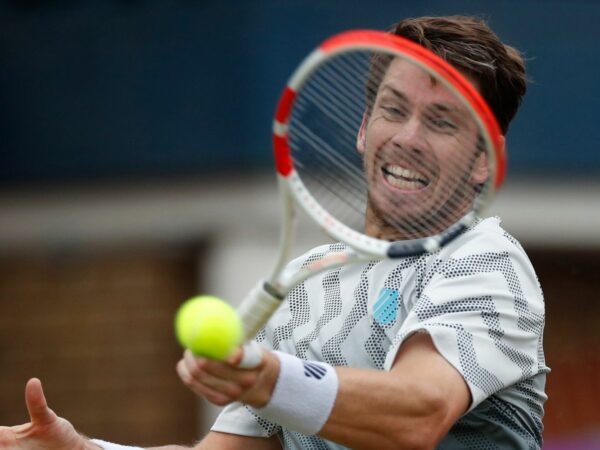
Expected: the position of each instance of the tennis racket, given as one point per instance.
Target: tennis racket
(386, 147)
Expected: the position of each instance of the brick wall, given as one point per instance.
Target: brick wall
(572, 339)
(97, 329)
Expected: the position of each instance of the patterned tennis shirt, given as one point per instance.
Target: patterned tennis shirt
(478, 298)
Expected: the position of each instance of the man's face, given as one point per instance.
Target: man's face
(419, 146)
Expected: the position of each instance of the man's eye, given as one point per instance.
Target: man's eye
(442, 124)
(394, 111)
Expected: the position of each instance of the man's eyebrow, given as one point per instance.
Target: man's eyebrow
(438, 107)
(451, 108)
(397, 93)
(443, 107)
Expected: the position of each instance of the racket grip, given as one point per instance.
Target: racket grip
(256, 309)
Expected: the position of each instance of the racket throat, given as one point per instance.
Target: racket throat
(256, 309)
(273, 291)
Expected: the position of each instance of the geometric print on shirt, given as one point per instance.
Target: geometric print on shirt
(477, 295)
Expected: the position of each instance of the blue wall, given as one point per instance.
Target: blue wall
(92, 90)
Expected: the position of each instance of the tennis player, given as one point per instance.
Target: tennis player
(439, 351)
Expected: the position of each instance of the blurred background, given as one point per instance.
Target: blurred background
(135, 171)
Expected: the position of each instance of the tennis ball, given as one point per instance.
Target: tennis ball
(208, 326)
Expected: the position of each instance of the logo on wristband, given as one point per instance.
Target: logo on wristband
(313, 370)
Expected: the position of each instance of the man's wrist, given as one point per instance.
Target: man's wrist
(304, 395)
(268, 380)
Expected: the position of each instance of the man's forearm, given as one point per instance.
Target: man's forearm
(412, 406)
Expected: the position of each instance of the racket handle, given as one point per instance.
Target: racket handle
(256, 309)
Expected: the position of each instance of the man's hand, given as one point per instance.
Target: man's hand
(46, 431)
(223, 382)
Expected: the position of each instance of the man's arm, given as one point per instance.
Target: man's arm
(47, 431)
(412, 406)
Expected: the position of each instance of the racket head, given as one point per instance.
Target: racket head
(385, 145)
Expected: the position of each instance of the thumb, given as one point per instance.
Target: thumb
(37, 406)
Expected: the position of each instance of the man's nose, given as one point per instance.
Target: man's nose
(410, 135)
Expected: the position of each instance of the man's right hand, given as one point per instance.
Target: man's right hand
(45, 431)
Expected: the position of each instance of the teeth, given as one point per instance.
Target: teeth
(404, 178)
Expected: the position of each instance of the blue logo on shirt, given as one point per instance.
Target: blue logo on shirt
(386, 307)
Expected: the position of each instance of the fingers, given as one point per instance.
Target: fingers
(236, 357)
(218, 375)
(219, 382)
(37, 406)
(193, 379)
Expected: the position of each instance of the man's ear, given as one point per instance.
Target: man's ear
(361, 137)
(480, 172)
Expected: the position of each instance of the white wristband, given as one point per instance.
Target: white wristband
(110, 446)
(303, 396)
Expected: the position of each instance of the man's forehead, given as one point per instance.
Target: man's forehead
(406, 73)
(401, 68)
(414, 82)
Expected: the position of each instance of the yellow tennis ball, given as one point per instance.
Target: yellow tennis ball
(208, 326)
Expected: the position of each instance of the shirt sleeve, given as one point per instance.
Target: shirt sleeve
(483, 308)
(237, 418)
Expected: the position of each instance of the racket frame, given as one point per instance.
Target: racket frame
(439, 69)
(265, 298)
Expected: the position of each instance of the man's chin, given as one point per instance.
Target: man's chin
(395, 228)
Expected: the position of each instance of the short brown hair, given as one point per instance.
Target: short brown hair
(468, 44)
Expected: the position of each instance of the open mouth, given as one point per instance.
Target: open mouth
(403, 178)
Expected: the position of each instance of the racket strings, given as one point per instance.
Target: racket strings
(457, 192)
(328, 114)
(419, 181)
(321, 85)
(325, 155)
(339, 155)
(345, 180)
